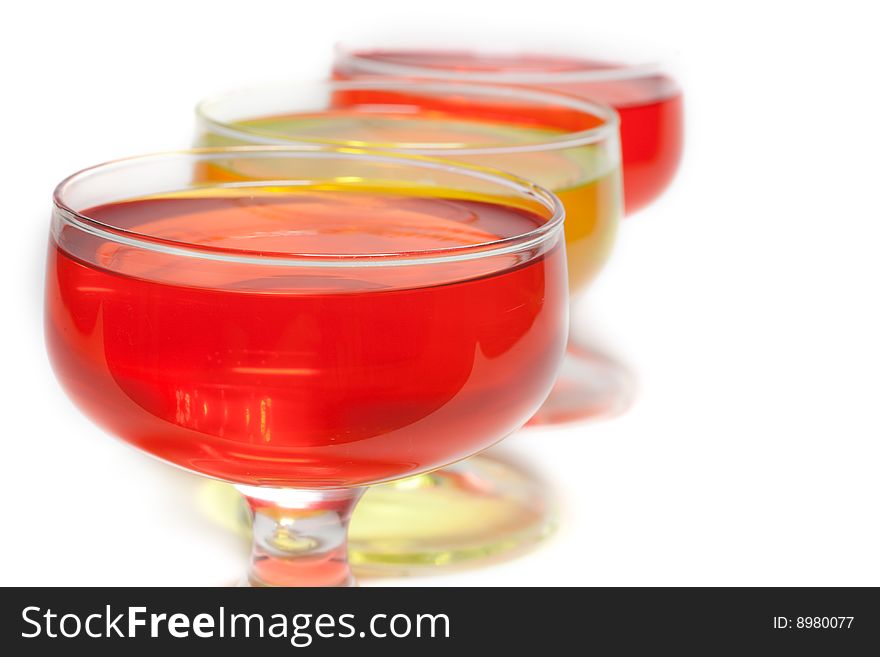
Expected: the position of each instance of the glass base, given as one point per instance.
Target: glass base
(474, 512)
(478, 510)
(590, 386)
(246, 583)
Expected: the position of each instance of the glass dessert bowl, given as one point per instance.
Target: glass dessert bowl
(267, 317)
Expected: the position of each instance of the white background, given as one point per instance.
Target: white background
(746, 299)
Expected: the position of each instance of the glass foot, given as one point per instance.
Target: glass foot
(481, 509)
(476, 511)
(590, 386)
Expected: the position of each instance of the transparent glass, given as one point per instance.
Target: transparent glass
(645, 94)
(650, 104)
(564, 144)
(304, 323)
(483, 507)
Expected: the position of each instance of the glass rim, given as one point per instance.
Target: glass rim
(345, 53)
(512, 244)
(570, 139)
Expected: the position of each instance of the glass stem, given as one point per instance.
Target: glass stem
(300, 536)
